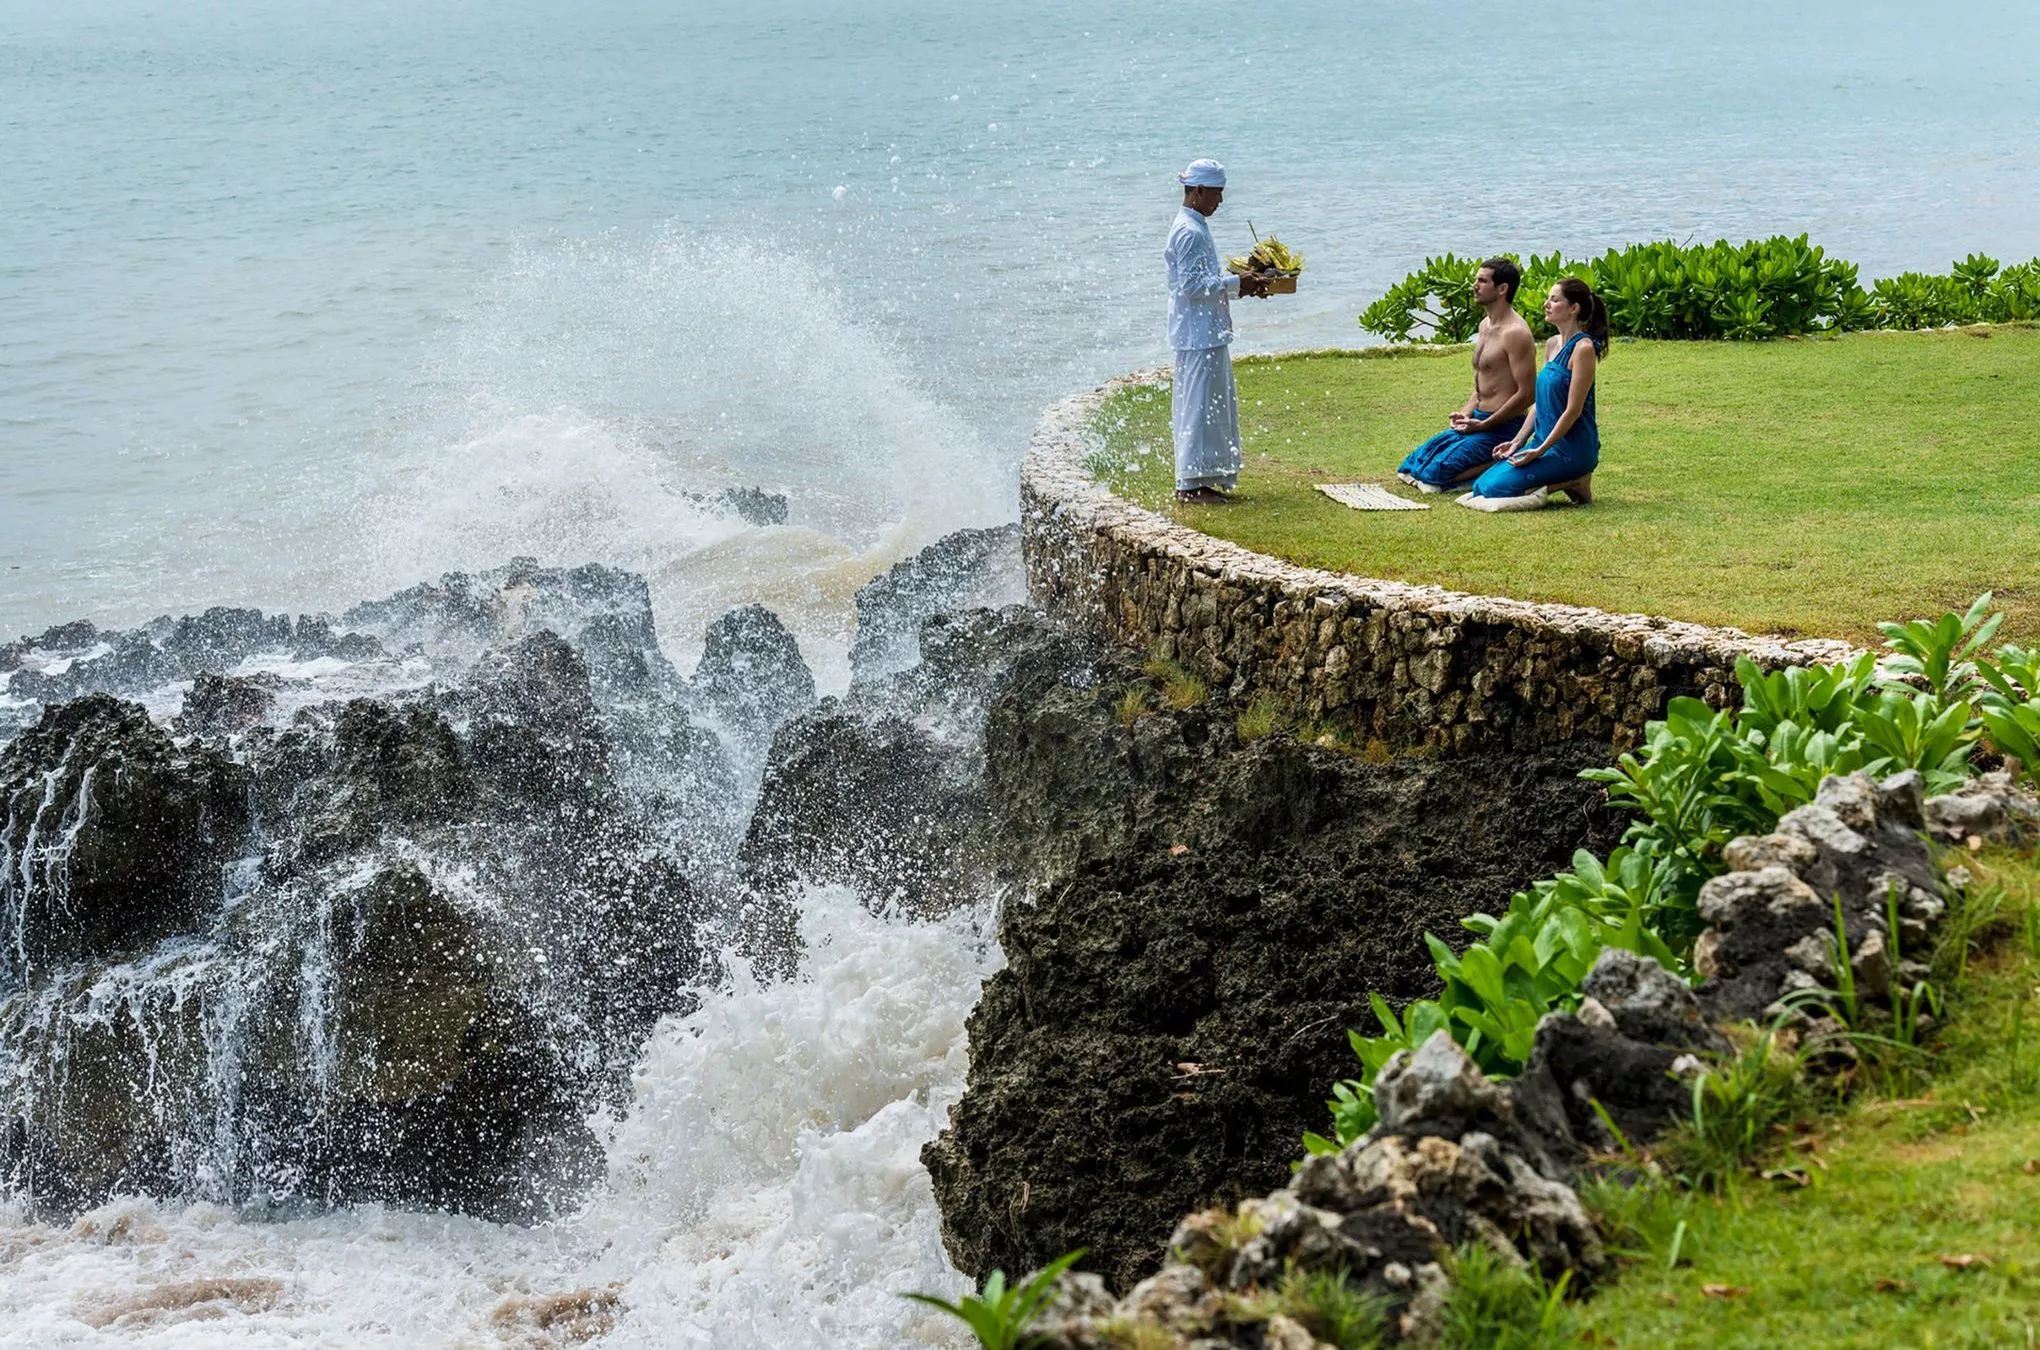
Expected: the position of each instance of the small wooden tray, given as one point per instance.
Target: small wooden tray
(1281, 285)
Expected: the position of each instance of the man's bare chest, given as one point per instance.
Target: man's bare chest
(1488, 356)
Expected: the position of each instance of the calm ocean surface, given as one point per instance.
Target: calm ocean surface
(297, 299)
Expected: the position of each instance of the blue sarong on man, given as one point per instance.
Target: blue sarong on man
(1454, 457)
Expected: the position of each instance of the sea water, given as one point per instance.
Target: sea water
(304, 302)
(298, 300)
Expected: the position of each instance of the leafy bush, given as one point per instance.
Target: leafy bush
(2015, 731)
(1942, 653)
(2009, 705)
(1701, 778)
(1682, 785)
(1529, 962)
(999, 1316)
(1745, 292)
(1915, 731)
(1438, 295)
(2011, 675)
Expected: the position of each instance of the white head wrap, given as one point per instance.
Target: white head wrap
(1203, 173)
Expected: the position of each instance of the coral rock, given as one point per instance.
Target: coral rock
(1436, 1081)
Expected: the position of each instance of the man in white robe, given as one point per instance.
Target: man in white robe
(1204, 402)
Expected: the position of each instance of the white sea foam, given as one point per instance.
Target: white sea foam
(765, 1191)
(59, 663)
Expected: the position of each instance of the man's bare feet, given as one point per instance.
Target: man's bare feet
(1579, 491)
(1204, 496)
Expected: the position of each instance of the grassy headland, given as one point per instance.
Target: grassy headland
(1904, 1219)
(1806, 487)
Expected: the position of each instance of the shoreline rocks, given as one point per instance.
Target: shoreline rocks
(967, 570)
(392, 947)
(112, 838)
(384, 911)
(888, 788)
(1204, 922)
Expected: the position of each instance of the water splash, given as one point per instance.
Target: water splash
(35, 854)
(764, 1193)
(594, 385)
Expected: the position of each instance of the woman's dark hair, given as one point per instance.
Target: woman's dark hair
(1593, 311)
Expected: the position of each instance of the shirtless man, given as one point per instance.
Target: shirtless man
(1504, 388)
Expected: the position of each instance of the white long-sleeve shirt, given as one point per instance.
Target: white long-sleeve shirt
(1200, 291)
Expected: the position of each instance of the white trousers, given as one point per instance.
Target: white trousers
(1205, 406)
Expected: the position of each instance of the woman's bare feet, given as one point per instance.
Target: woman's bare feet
(1580, 491)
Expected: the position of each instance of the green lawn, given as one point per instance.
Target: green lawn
(1806, 487)
(1901, 1188)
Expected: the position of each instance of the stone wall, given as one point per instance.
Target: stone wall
(1412, 665)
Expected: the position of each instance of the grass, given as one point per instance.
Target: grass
(1260, 719)
(1327, 1306)
(1179, 688)
(1496, 1305)
(1896, 1221)
(1806, 487)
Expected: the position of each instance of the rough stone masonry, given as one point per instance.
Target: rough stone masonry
(1412, 665)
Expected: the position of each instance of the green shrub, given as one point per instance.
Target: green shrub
(2010, 676)
(1920, 300)
(1914, 731)
(1000, 1314)
(2015, 731)
(1529, 962)
(1941, 653)
(1821, 698)
(2009, 705)
(1758, 289)
(1694, 786)
(1352, 1103)
(2016, 294)
(1701, 778)
(1438, 296)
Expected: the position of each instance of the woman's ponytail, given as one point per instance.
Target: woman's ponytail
(1593, 311)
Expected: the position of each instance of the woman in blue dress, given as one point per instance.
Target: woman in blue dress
(1561, 452)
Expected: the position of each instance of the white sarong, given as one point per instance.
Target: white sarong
(1205, 405)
